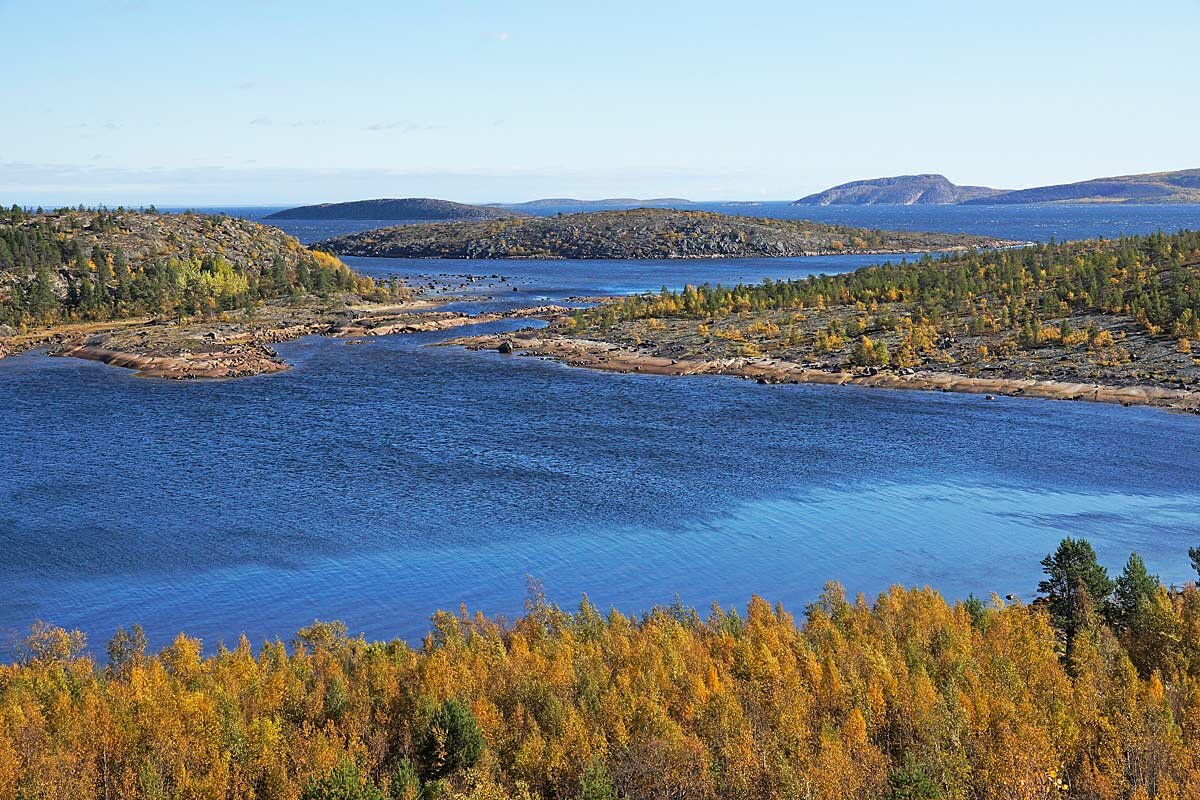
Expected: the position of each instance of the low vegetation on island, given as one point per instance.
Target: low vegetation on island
(1108, 320)
(639, 234)
(1092, 691)
(181, 295)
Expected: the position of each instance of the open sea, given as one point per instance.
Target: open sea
(377, 483)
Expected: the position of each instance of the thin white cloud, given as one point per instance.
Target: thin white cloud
(403, 126)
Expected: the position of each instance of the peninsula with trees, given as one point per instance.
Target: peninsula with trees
(175, 295)
(189, 295)
(640, 234)
(1115, 321)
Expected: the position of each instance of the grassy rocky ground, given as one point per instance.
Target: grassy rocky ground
(639, 234)
(992, 339)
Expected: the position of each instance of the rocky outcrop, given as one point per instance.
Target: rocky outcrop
(385, 325)
(238, 362)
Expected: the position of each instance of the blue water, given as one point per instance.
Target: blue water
(376, 483)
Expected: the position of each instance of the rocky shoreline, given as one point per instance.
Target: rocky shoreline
(442, 320)
(253, 360)
(592, 354)
(238, 346)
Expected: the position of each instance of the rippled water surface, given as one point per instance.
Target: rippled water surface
(376, 483)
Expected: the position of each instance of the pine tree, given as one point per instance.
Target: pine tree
(1133, 587)
(450, 742)
(1075, 581)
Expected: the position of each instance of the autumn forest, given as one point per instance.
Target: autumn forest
(1090, 691)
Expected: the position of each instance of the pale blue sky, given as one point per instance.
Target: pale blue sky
(289, 102)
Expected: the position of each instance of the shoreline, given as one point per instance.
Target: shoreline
(189, 366)
(246, 352)
(226, 349)
(598, 355)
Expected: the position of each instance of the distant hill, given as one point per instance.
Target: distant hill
(640, 233)
(903, 190)
(1182, 186)
(408, 209)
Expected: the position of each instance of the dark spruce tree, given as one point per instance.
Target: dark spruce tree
(1076, 585)
(1133, 588)
(451, 741)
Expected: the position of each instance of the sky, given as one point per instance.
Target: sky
(272, 102)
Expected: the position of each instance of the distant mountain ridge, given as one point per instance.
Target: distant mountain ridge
(1181, 186)
(407, 209)
(906, 190)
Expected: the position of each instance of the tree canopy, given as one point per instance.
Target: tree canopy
(907, 696)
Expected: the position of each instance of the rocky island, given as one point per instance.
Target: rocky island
(1109, 321)
(640, 234)
(409, 209)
